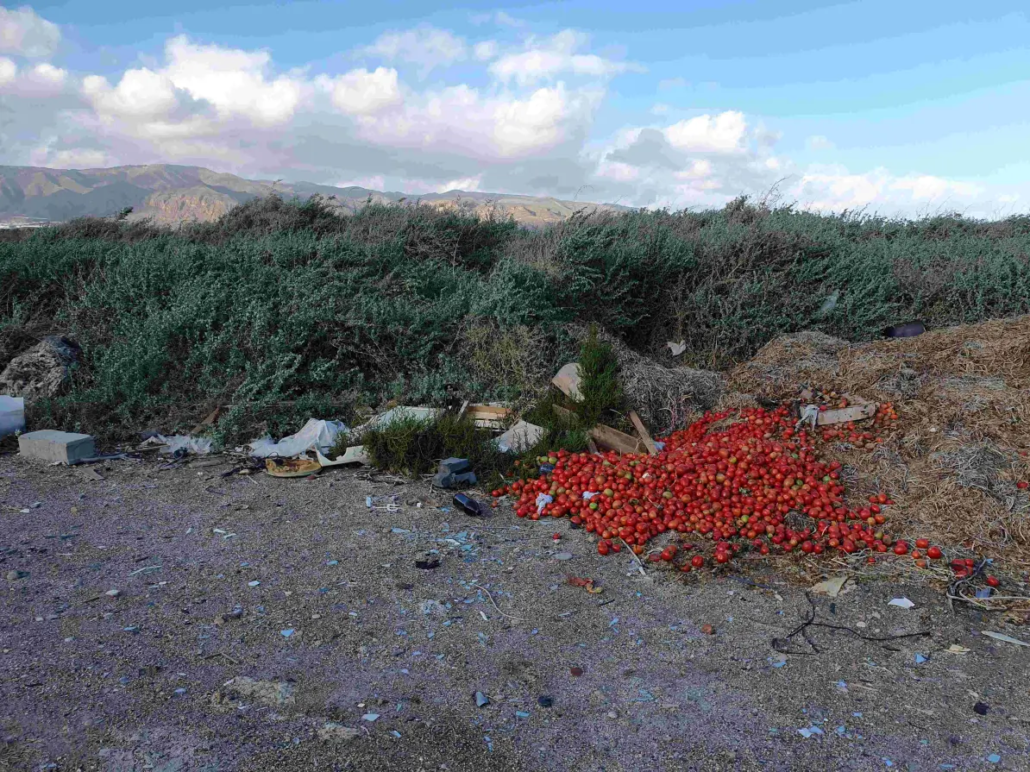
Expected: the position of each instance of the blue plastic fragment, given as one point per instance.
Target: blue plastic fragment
(920, 659)
(521, 714)
(994, 758)
(287, 632)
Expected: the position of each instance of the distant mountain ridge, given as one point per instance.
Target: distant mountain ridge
(173, 194)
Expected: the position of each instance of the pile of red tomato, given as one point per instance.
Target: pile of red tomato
(756, 484)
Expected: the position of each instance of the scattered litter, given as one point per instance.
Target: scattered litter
(707, 629)
(1003, 637)
(920, 659)
(902, 603)
(145, 570)
(519, 438)
(567, 381)
(956, 649)
(482, 700)
(254, 583)
(469, 505)
(830, 587)
(383, 503)
(994, 758)
(181, 444)
(521, 714)
(677, 348)
(292, 467)
(587, 584)
(113, 593)
(563, 556)
(370, 717)
(778, 660)
(542, 500)
(808, 732)
(287, 632)
(315, 435)
(454, 472)
(544, 701)
(906, 330)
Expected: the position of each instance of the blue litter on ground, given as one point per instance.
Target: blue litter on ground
(286, 633)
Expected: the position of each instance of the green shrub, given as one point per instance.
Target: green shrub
(599, 386)
(283, 309)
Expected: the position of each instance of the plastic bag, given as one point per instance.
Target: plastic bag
(316, 435)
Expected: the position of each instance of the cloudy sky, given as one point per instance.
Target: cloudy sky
(910, 107)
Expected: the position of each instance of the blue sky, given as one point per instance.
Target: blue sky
(900, 107)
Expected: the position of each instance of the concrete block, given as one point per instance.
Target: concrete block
(56, 447)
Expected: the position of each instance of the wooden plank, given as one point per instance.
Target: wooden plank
(209, 421)
(845, 414)
(613, 439)
(464, 407)
(591, 445)
(642, 431)
(488, 411)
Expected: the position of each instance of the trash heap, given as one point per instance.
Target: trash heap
(747, 481)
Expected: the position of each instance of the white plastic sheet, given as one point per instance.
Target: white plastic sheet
(12, 415)
(316, 435)
(198, 445)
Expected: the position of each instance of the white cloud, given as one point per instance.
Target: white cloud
(524, 128)
(426, 47)
(722, 133)
(8, 71)
(819, 142)
(38, 81)
(485, 50)
(375, 182)
(543, 60)
(24, 33)
(140, 94)
(235, 82)
(360, 92)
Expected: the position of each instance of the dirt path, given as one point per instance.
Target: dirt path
(137, 681)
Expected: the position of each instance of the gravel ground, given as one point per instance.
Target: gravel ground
(210, 573)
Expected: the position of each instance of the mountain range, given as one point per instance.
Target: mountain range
(175, 194)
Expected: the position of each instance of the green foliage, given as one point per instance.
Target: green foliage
(416, 446)
(599, 386)
(285, 309)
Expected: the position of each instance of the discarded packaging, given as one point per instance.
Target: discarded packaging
(906, 330)
(831, 587)
(315, 435)
(567, 381)
(12, 415)
(608, 438)
(902, 603)
(487, 416)
(401, 413)
(677, 348)
(1003, 637)
(181, 444)
(292, 467)
(468, 505)
(519, 438)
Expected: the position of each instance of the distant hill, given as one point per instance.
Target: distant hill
(175, 194)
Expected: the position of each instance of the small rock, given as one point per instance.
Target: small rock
(482, 700)
(612, 714)
(14, 576)
(427, 561)
(981, 708)
(271, 693)
(563, 556)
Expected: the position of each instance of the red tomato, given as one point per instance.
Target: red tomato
(934, 553)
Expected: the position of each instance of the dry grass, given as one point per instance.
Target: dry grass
(952, 460)
(666, 398)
